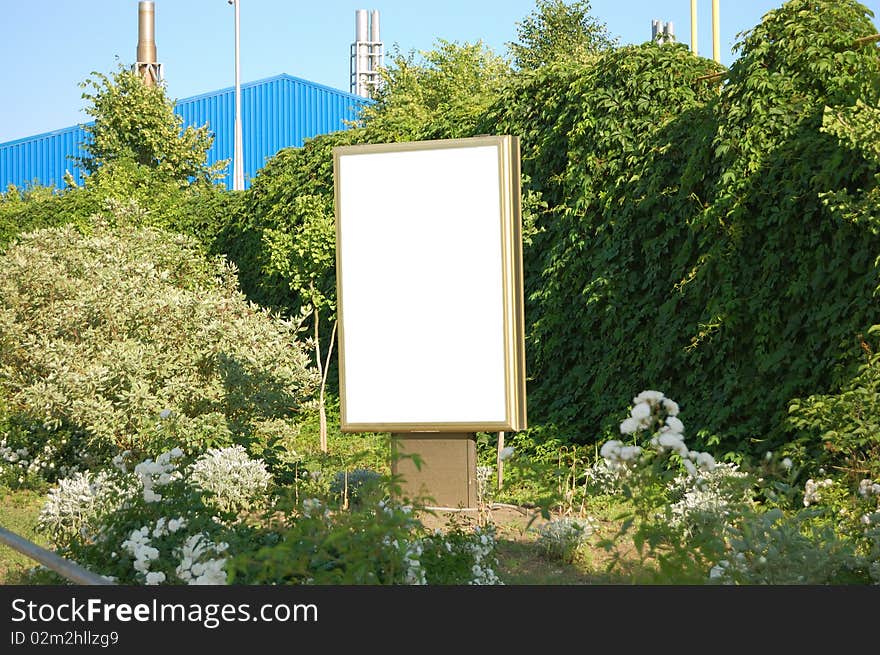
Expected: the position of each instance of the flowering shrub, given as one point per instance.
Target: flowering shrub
(105, 331)
(77, 505)
(31, 455)
(712, 500)
(707, 522)
(564, 538)
(772, 548)
(236, 483)
(460, 556)
(150, 524)
(656, 415)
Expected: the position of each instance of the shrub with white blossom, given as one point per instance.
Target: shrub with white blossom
(565, 537)
(459, 555)
(236, 482)
(75, 507)
(146, 524)
(712, 500)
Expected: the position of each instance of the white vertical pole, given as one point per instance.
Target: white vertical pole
(238, 157)
(716, 32)
(694, 26)
(500, 462)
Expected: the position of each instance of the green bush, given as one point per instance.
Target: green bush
(717, 245)
(131, 336)
(155, 524)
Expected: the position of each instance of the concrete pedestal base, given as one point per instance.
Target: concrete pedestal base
(448, 473)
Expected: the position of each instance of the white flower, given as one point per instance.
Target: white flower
(673, 441)
(506, 453)
(176, 524)
(641, 411)
(868, 488)
(610, 449)
(705, 461)
(671, 407)
(236, 482)
(648, 396)
(629, 426)
(768, 455)
(675, 424)
(787, 463)
(689, 465)
(155, 577)
(628, 453)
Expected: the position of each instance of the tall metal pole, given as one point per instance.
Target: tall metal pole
(238, 158)
(716, 32)
(694, 26)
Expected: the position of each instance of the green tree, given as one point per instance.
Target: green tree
(135, 128)
(557, 30)
(304, 253)
(438, 94)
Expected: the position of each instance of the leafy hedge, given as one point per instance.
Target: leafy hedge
(717, 246)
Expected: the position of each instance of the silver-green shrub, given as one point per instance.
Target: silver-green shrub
(100, 330)
(234, 481)
(75, 508)
(563, 538)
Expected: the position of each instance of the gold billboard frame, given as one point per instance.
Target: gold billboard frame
(510, 228)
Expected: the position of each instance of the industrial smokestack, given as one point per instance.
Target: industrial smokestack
(367, 53)
(361, 18)
(147, 66)
(374, 27)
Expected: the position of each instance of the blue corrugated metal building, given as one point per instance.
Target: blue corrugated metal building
(277, 112)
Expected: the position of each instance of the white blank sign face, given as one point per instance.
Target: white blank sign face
(425, 330)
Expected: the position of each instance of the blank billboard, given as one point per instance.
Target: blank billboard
(429, 282)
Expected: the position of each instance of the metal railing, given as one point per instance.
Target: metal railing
(69, 570)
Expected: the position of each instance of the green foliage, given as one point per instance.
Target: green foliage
(127, 332)
(135, 128)
(772, 548)
(440, 96)
(843, 429)
(353, 485)
(302, 250)
(604, 146)
(556, 31)
(375, 545)
(720, 246)
(272, 205)
(152, 525)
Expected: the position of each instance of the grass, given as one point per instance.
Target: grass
(18, 513)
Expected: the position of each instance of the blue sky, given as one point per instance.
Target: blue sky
(49, 46)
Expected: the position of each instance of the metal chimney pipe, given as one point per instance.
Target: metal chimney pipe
(146, 48)
(362, 66)
(375, 47)
(374, 27)
(361, 20)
